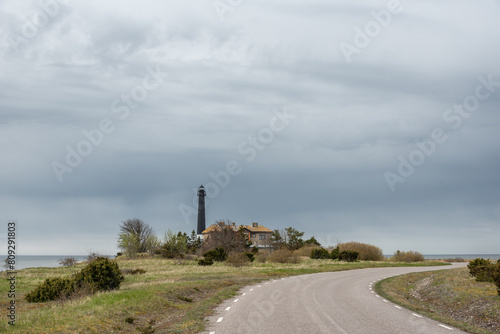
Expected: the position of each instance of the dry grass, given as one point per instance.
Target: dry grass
(450, 296)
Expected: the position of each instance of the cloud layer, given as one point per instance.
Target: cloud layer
(115, 110)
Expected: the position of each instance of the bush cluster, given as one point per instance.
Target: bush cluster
(348, 256)
(482, 269)
(238, 259)
(216, 254)
(250, 256)
(409, 256)
(320, 253)
(51, 289)
(133, 271)
(283, 255)
(235, 259)
(334, 255)
(306, 250)
(205, 262)
(101, 274)
(496, 276)
(366, 252)
(263, 256)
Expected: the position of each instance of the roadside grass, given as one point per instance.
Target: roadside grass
(172, 296)
(449, 296)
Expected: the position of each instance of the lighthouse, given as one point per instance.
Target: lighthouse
(201, 211)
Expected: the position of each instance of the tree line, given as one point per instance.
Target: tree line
(138, 237)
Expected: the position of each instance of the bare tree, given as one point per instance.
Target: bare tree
(68, 262)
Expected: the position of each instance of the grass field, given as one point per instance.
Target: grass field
(449, 296)
(173, 296)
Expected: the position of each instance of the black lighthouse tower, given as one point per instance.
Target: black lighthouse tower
(201, 211)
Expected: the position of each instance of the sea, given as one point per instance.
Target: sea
(51, 261)
(463, 256)
(35, 261)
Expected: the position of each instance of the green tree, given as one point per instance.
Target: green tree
(129, 244)
(194, 243)
(135, 237)
(278, 238)
(312, 241)
(290, 238)
(174, 245)
(294, 238)
(153, 244)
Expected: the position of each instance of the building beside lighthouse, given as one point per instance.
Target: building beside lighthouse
(258, 235)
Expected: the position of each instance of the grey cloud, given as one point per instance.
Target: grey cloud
(222, 83)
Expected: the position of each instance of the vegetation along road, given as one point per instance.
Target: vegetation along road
(334, 302)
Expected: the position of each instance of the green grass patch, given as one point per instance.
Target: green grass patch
(449, 296)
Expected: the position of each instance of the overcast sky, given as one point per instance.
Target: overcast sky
(372, 121)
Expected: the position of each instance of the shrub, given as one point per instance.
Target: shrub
(334, 255)
(482, 269)
(169, 254)
(238, 259)
(50, 289)
(103, 274)
(456, 259)
(409, 256)
(250, 256)
(348, 256)
(133, 271)
(263, 255)
(283, 256)
(175, 245)
(205, 262)
(216, 254)
(320, 253)
(496, 276)
(67, 262)
(366, 252)
(306, 250)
